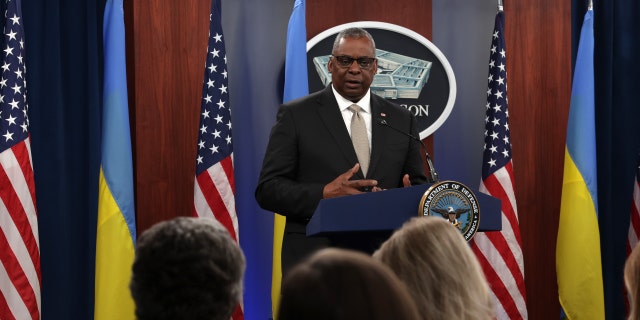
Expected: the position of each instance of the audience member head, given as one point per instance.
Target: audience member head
(340, 284)
(435, 262)
(631, 278)
(187, 268)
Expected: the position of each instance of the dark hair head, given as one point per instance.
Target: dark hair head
(337, 284)
(187, 268)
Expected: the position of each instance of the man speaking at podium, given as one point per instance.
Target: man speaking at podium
(332, 143)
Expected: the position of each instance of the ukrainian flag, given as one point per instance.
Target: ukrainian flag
(578, 261)
(116, 233)
(296, 85)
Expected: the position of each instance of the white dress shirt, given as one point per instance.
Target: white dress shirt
(365, 112)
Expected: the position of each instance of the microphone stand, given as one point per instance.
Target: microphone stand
(433, 175)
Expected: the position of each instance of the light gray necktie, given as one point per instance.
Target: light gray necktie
(359, 138)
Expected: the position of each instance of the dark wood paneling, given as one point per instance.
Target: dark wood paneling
(412, 14)
(538, 44)
(170, 43)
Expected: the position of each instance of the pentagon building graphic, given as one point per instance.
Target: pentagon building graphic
(398, 76)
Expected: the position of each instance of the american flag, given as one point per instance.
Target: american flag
(500, 253)
(214, 189)
(634, 223)
(20, 277)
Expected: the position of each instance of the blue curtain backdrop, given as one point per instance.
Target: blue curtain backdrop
(255, 33)
(63, 54)
(616, 68)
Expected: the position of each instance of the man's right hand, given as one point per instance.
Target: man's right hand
(342, 186)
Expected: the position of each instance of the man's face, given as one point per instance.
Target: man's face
(353, 81)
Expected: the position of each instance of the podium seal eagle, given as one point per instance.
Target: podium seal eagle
(455, 202)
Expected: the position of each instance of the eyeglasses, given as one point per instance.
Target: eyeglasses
(347, 61)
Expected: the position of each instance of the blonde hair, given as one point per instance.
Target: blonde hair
(631, 277)
(435, 262)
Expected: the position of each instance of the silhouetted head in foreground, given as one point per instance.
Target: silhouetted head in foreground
(338, 284)
(187, 268)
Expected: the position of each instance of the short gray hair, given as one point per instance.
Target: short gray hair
(354, 33)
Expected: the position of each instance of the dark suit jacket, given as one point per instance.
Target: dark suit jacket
(310, 146)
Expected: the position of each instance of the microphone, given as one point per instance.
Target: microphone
(432, 171)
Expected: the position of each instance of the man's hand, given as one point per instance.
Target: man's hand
(342, 186)
(405, 181)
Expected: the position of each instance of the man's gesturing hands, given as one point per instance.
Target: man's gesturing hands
(342, 186)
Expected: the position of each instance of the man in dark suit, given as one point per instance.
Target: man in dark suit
(311, 156)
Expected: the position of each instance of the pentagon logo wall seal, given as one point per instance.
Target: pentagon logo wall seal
(455, 202)
(412, 71)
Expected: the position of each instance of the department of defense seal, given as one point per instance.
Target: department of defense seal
(455, 202)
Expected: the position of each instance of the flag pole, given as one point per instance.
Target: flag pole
(590, 6)
(500, 7)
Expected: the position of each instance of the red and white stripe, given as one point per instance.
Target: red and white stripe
(215, 195)
(20, 276)
(500, 252)
(634, 227)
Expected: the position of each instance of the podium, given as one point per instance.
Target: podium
(362, 222)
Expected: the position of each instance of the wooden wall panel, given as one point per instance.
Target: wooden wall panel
(538, 43)
(412, 14)
(166, 54)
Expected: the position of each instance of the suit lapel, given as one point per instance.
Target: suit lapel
(377, 138)
(330, 115)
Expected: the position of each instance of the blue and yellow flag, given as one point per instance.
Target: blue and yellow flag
(578, 260)
(116, 234)
(296, 85)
